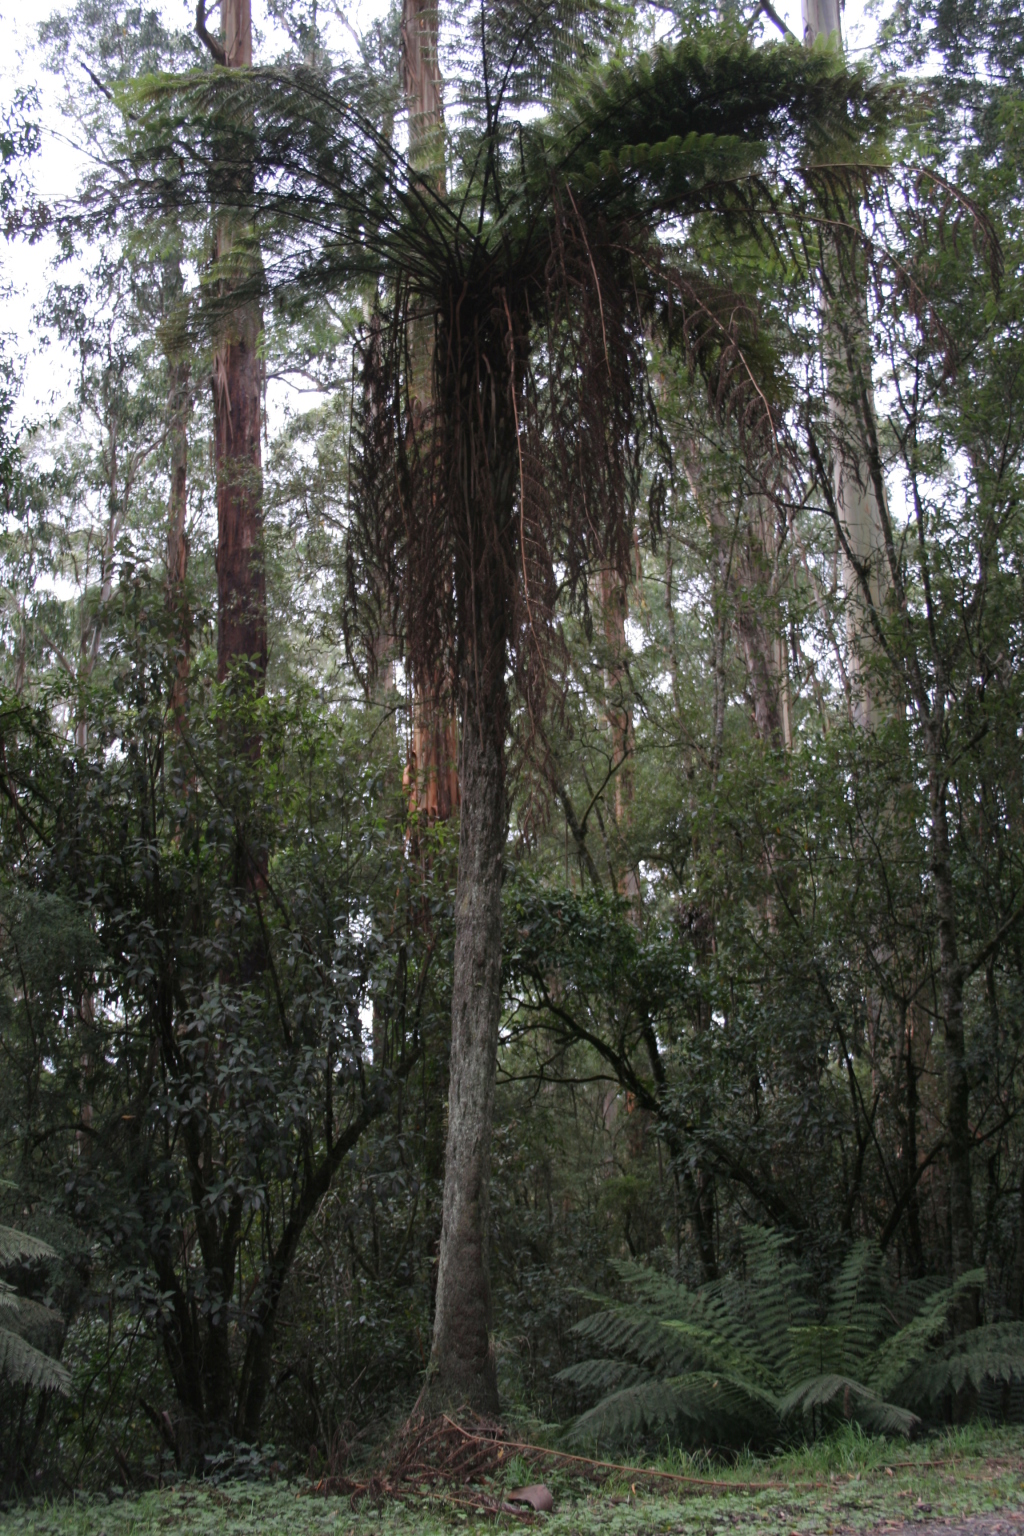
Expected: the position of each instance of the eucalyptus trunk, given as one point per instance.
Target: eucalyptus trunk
(432, 771)
(619, 713)
(179, 407)
(238, 397)
(850, 396)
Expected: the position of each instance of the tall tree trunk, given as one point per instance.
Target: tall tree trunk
(179, 407)
(848, 362)
(746, 551)
(432, 770)
(477, 396)
(237, 404)
(615, 611)
(462, 1357)
(914, 1015)
(951, 991)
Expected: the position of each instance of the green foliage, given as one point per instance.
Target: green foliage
(29, 1333)
(218, 964)
(747, 1359)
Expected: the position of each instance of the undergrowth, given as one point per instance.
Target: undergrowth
(851, 1481)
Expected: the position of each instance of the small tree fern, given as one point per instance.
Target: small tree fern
(749, 1359)
(28, 1331)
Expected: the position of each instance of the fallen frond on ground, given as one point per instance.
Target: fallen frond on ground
(467, 1464)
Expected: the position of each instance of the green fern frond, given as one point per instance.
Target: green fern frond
(656, 1292)
(626, 1330)
(15, 1245)
(871, 1410)
(724, 1309)
(773, 1298)
(30, 1332)
(744, 1356)
(899, 1356)
(715, 1405)
(994, 1352)
(602, 1376)
(37, 1325)
(718, 1348)
(858, 1311)
(23, 1362)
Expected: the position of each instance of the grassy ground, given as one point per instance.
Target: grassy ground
(847, 1484)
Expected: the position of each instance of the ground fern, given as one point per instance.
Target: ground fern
(750, 1360)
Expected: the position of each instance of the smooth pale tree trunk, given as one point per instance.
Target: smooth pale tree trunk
(462, 1357)
(746, 556)
(179, 405)
(614, 613)
(863, 517)
(619, 713)
(848, 357)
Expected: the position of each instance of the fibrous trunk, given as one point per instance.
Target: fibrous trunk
(477, 398)
(463, 1367)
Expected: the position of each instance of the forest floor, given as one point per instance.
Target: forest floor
(965, 1483)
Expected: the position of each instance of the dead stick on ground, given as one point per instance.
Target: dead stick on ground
(614, 1466)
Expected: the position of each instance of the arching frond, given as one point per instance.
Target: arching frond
(15, 1245)
(756, 1356)
(23, 1362)
(852, 1400)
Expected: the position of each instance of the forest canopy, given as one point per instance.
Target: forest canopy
(511, 714)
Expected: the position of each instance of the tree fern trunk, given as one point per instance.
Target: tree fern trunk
(462, 1358)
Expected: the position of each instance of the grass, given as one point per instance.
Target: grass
(850, 1483)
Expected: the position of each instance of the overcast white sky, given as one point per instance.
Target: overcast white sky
(56, 170)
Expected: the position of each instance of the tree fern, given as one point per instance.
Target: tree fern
(749, 1359)
(28, 1331)
(16, 1245)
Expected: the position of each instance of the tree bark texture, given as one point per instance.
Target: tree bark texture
(241, 581)
(237, 403)
(423, 85)
(179, 407)
(432, 778)
(951, 992)
(432, 772)
(462, 1361)
(481, 482)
